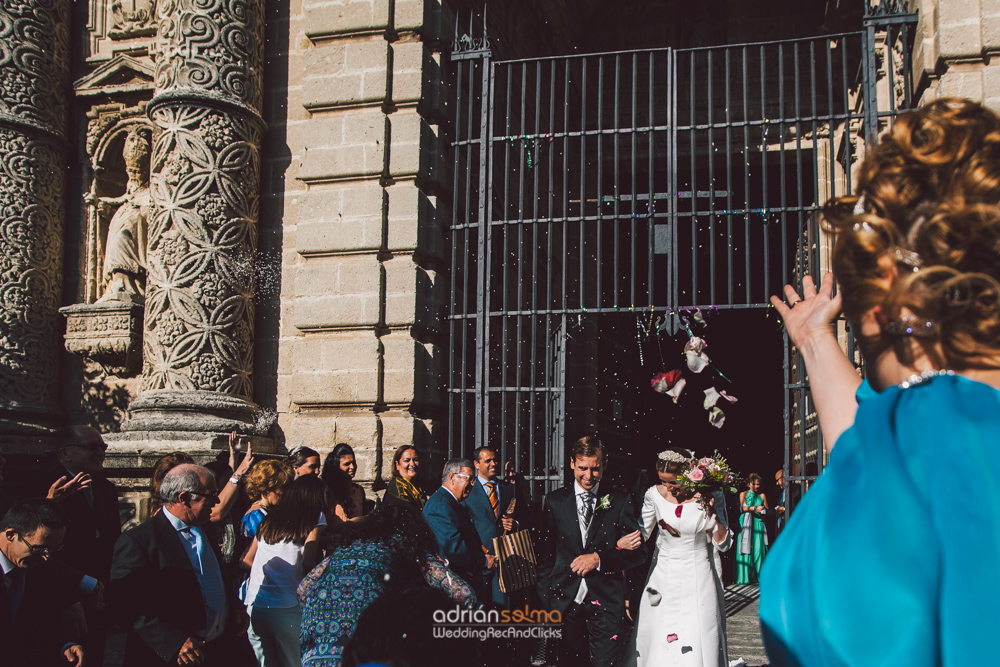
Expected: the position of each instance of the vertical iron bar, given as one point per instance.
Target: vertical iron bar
(482, 257)
(730, 296)
(710, 156)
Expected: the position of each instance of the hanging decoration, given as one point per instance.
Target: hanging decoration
(529, 144)
(672, 383)
(694, 353)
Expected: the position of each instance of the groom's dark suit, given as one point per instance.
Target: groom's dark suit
(603, 608)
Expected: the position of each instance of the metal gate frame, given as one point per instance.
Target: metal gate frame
(492, 319)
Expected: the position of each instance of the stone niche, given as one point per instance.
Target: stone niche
(107, 327)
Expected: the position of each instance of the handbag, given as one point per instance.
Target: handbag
(517, 566)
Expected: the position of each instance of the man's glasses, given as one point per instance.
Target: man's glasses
(91, 446)
(37, 549)
(213, 496)
(458, 474)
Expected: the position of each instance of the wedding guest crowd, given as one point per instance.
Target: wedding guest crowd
(903, 576)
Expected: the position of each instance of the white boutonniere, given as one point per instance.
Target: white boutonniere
(604, 503)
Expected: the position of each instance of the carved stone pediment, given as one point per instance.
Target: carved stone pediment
(121, 74)
(109, 332)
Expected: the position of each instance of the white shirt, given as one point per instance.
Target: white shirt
(215, 620)
(276, 574)
(577, 490)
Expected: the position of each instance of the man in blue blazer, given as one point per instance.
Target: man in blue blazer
(487, 502)
(449, 519)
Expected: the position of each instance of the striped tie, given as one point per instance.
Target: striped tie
(494, 501)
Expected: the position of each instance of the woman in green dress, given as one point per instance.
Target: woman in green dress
(751, 543)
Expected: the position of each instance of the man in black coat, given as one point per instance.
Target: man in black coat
(580, 567)
(488, 501)
(168, 587)
(456, 536)
(35, 593)
(94, 521)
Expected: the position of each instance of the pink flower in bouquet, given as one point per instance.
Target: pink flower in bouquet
(706, 461)
(696, 475)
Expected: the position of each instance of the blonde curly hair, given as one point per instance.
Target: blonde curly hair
(924, 232)
(267, 476)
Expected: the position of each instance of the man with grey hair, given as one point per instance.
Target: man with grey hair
(457, 537)
(168, 587)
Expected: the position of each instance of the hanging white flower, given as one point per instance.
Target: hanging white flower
(694, 353)
(716, 417)
(711, 398)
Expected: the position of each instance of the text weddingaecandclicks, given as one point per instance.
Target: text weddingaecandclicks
(484, 624)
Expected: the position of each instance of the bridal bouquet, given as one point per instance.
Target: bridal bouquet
(707, 475)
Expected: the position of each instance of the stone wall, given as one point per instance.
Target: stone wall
(956, 41)
(360, 344)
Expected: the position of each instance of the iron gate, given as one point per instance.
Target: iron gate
(643, 182)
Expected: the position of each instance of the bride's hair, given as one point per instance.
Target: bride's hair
(673, 460)
(924, 233)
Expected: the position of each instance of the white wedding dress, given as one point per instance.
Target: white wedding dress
(681, 618)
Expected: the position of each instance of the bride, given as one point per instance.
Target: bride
(681, 614)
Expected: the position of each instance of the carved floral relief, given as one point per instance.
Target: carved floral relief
(34, 45)
(199, 297)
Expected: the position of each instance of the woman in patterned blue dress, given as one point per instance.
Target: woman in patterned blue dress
(890, 559)
(391, 549)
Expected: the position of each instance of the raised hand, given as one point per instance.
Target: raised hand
(64, 487)
(247, 461)
(811, 314)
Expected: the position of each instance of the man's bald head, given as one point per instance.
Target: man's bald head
(81, 449)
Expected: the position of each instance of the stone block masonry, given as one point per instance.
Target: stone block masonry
(360, 354)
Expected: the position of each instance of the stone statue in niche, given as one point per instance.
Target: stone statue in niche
(125, 250)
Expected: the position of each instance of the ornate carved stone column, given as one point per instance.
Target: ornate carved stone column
(197, 378)
(34, 83)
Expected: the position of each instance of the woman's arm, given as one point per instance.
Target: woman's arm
(743, 502)
(338, 515)
(311, 552)
(763, 500)
(832, 378)
(229, 492)
(247, 562)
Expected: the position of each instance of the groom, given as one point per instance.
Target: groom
(580, 568)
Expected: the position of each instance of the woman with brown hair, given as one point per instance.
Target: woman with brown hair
(404, 487)
(904, 572)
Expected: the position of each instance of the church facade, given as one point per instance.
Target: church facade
(222, 215)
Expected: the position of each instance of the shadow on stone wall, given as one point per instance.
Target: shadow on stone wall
(104, 400)
(275, 159)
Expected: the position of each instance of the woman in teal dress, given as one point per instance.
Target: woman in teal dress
(751, 542)
(891, 558)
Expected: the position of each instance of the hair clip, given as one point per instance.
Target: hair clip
(672, 456)
(859, 206)
(909, 325)
(863, 226)
(908, 257)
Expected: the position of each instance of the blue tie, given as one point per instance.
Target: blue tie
(211, 576)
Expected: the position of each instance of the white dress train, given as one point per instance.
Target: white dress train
(681, 618)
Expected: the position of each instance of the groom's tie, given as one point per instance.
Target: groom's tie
(587, 511)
